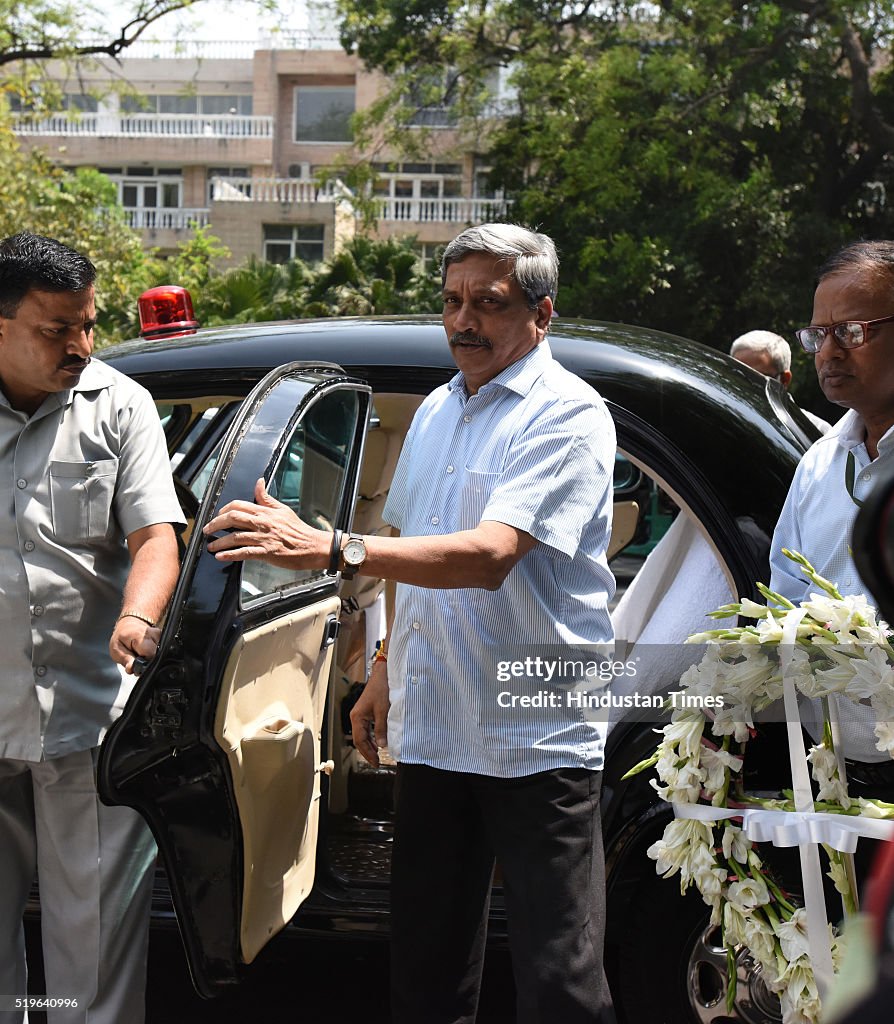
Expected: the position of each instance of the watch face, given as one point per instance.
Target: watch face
(354, 552)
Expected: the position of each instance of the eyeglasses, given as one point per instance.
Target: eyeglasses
(847, 334)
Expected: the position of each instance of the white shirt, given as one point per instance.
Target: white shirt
(818, 515)
(817, 520)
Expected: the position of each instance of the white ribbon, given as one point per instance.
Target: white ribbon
(795, 828)
(811, 873)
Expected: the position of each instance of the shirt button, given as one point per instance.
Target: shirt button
(435, 520)
(450, 469)
(867, 476)
(414, 679)
(37, 610)
(29, 545)
(41, 670)
(417, 625)
(467, 419)
(21, 484)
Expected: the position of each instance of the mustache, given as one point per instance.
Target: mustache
(74, 361)
(467, 338)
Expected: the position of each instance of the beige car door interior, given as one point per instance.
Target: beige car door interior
(269, 722)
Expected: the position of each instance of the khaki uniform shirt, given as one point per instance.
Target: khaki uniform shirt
(86, 470)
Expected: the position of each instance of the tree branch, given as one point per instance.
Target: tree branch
(19, 48)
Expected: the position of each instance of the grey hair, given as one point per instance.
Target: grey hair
(776, 347)
(533, 256)
(875, 257)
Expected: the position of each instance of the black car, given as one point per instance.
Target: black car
(235, 744)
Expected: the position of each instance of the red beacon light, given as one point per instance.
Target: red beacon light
(166, 312)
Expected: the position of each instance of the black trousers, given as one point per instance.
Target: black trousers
(544, 830)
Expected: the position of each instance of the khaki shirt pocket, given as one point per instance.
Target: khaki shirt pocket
(81, 498)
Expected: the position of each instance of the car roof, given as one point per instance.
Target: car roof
(658, 376)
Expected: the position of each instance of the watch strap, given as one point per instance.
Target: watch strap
(335, 553)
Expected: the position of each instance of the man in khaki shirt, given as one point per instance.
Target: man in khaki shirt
(88, 562)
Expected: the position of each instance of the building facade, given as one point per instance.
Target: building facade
(233, 136)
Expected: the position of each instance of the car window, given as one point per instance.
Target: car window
(309, 477)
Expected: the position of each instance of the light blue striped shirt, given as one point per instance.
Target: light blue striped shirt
(533, 449)
(818, 515)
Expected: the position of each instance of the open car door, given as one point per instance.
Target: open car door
(218, 747)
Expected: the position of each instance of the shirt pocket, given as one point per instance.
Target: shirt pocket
(476, 492)
(81, 498)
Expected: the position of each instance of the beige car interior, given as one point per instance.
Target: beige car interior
(268, 723)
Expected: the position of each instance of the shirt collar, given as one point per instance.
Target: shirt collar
(96, 377)
(850, 432)
(519, 376)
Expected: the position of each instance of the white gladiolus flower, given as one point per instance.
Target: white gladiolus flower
(733, 720)
(884, 734)
(873, 809)
(769, 630)
(752, 610)
(759, 938)
(673, 848)
(748, 894)
(735, 844)
(824, 761)
(873, 674)
(835, 791)
(685, 729)
(792, 936)
(748, 676)
(800, 998)
(715, 763)
(734, 929)
(838, 616)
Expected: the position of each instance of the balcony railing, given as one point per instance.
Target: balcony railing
(446, 211)
(157, 218)
(185, 126)
(297, 190)
(273, 190)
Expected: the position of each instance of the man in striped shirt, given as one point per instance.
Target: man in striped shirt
(503, 498)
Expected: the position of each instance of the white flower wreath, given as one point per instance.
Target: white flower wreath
(842, 649)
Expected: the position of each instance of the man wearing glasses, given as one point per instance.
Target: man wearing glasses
(851, 337)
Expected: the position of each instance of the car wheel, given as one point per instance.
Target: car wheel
(669, 964)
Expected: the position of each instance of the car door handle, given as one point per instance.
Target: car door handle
(330, 632)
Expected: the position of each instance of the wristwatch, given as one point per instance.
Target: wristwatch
(353, 555)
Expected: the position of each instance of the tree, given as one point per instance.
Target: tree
(695, 162)
(81, 209)
(367, 278)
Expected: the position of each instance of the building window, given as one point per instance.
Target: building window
(237, 106)
(148, 188)
(285, 242)
(430, 256)
(81, 103)
(178, 104)
(323, 113)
